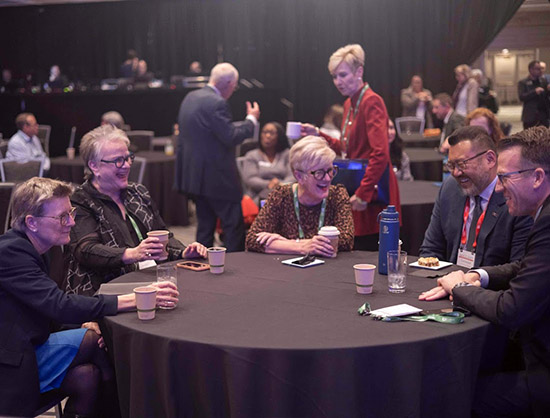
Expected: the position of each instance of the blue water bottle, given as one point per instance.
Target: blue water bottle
(389, 236)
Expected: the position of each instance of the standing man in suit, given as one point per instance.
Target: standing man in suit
(470, 225)
(515, 295)
(442, 108)
(206, 167)
(533, 92)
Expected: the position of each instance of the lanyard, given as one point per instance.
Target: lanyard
(463, 239)
(349, 122)
(136, 228)
(297, 210)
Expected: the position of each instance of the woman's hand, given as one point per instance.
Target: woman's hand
(167, 293)
(94, 327)
(194, 250)
(309, 129)
(267, 238)
(273, 183)
(149, 249)
(318, 245)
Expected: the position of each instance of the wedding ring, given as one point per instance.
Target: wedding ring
(148, 254)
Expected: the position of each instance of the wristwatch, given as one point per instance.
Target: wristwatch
(461, 284)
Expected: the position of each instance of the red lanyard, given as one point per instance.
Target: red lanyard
(463, 239)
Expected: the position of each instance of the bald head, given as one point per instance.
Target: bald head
(224, 77)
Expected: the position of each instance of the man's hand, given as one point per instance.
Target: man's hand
(446, 284)
(539, 90)
(309, 129)
(357, 204)
(253, 110)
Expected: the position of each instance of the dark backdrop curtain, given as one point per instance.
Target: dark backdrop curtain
(283, 43)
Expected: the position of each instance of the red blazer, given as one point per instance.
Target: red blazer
(368, 139)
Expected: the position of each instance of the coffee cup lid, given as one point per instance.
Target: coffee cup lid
(329, 231)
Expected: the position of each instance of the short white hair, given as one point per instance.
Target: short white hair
(223, 73)
(310, 152)
(352, 54)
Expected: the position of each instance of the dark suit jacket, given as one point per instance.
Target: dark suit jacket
(535, 106)
(206, 164)
(455, 121)
(518, 298)
(501, 238)
(29, 302)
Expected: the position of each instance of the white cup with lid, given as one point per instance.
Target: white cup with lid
(333, 234)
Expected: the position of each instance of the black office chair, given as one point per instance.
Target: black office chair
(44, 132)
(49, 400)
(6, 190)
(138, 170)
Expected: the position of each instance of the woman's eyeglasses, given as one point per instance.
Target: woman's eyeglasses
(64, 218)
(320, 174)
(119, 162)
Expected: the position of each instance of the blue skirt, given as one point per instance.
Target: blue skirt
(55, 356)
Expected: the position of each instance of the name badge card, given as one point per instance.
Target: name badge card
(465, 258)
(146, 264)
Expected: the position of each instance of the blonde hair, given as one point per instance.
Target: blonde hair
(464, 69)
(310, 152)
(352, 54)
(29, 198)
(92, 143)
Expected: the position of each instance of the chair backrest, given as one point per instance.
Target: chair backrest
(44, 136)
(6, 191)
(240, 166)
(17, 172)
(247, 145)
(3, 147)
(409, 125)
(138, 170)
(141, 140)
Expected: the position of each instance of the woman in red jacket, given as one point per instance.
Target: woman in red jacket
(364, 136)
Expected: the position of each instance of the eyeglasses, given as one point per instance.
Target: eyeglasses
(504, 177)
(63, 218)
(269, 131)
(320, 174)
(119, 162)
(462, 165)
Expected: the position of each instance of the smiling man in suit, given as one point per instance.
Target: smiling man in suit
(470, 225)
(206, 167)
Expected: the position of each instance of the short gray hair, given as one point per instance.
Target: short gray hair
(310, 152)
(92, 143)
(113, 118)
(352, 54)
(29, 198)
(223, 73)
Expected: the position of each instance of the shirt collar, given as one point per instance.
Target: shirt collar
(25, 136)
(446, 120)
(485, 195)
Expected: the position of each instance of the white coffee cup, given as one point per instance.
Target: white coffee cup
(216, 259)
(146, 302)
(333, 234)
(364, 278)
(293, 130)
(163, 237)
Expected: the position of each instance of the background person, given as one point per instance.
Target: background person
(399, 159)
(364, 136)
(206, 168)
(293, 214)
(533, 91)
(267, 166)
(487, 120)
(465, 96)
(33, 360)
(113, 217)
(416, 101)
(24, 145)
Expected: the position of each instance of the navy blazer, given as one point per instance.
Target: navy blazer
(206, 164)
(29, 302)
(501, 238)
(518, 298)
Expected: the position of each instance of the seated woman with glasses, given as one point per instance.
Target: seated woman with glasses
(113, 217)
(33, 359)
(293, 214)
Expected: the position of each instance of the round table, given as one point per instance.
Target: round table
(426, 163)
(265, 339)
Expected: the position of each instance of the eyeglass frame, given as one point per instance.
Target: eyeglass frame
(505, 176)
(121, 160)
(63, 218)
(334, 169)
(452, 165)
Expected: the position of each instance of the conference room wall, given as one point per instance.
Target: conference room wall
(284, 43)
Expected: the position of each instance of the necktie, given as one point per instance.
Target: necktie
(475, 217)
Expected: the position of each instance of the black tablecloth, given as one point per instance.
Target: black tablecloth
(420, 141)
(417, 202)
(266, 340)
(426, 163)
(158, 178)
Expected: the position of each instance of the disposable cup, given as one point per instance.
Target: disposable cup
(70, 153)
(216, 259)
(163, 237)
(364, 278)
(293, 130)
(333, 234)
(146, 301)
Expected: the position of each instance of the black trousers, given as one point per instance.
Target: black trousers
(231, 216)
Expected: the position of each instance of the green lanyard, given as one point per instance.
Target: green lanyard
(136, 228)
(444, 318)
(297, 210)
(348, 122)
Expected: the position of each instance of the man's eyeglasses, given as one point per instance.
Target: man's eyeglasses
(320, 174)
(64, 218)
(119, 162)
(462, 165)
(503, 177)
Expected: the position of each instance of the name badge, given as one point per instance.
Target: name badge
(264, 164)
(146, 264)
(465, 258)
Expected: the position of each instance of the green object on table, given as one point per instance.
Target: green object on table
(444, 318)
